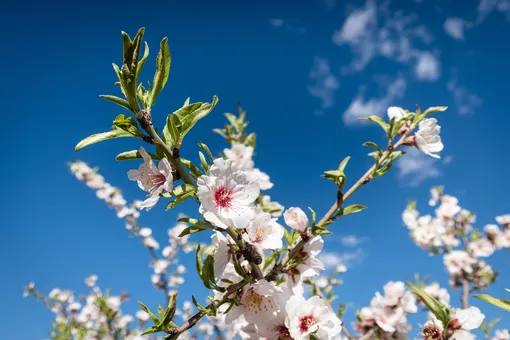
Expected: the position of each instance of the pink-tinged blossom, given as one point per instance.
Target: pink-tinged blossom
(259, 303)
(227, 197)
(501, 334)
(296, 219)
(241, 157)
(467, 319)
(152, 179)
(312, 316)
(264, 232)
(458, 261)
(481, 248)
(428, 139)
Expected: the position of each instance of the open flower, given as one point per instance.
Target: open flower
(296, 219)
(264, 232)
(241, 156)
(458, 261)
(227, 197)
(312, 316)
(466, 319)
(152, 179)
(428, 139)
(481, 248)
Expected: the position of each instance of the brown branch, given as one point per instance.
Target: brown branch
(465, 293)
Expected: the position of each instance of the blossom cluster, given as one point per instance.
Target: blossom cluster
(387, 312)
(451, 233)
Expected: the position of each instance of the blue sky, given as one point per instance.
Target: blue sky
(303, 70)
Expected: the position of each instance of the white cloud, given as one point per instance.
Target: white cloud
(486, 7)
(352, 240)
(415, 167)
(374, 31)
(325, 83)
(331, 260)
(361, 108)
(465, 101)
(427, 68)
(455, 27)
(276, 22)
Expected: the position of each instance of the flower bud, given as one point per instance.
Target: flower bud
(296, 219)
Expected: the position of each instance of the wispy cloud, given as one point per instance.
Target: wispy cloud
(455, 27)
(486, 7)
(276, 22)
(324, 82)
(331, 260)
(427, 68)
(361, 107)
(466, 102)
(376, 31)
(415, 167)
(352, 240)
(280, 23)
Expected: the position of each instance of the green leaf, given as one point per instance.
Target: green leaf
(142, 61)
(202, 309)
(504, 304)
(343, 164)
(440, 311)
(195, 172)
(189, 115)
(373, 145)
(251, 139)
(207, 151)
(314, 215)
(151, 330)
(181, 193)
(320, 230)
(128, 124)
(162, 70)
(169, 313)
(171, 134)
(341, 311)
(351, 209)
(434, 109)
(119, 101)
(203, 162)
(134, 154)
(99, 137)
(378, 120)
(146, 310)
(197, 227)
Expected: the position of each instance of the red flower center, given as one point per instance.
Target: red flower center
(283, 332)
(222, 197)
(305, 322)
(156, 180)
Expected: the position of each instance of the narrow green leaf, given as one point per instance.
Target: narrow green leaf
(203, 162)
(504, 304)
(119, 101)
(99, 137)
(134, 154)
(343, 164)
(195, 172)
(373, 145)
(207, 151)
(171, 134)
(146, 310)
(128, 124)
(432, 304)
(162, 70)
(351, 209)
(378, 120)
(142, 61)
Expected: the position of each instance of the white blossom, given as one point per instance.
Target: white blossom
(152, 179)
(264, 232)
(296, 219)
(428, 139)
(469, 318)
(241, 157)
(227, 197)
(312, 316)
(458, 261)
(501, 334)
(504, 220)
(91, 280)
(481, 248)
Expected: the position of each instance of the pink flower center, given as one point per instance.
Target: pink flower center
(157, 180)
(222, 197)
(283, 332)
(305, 322)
